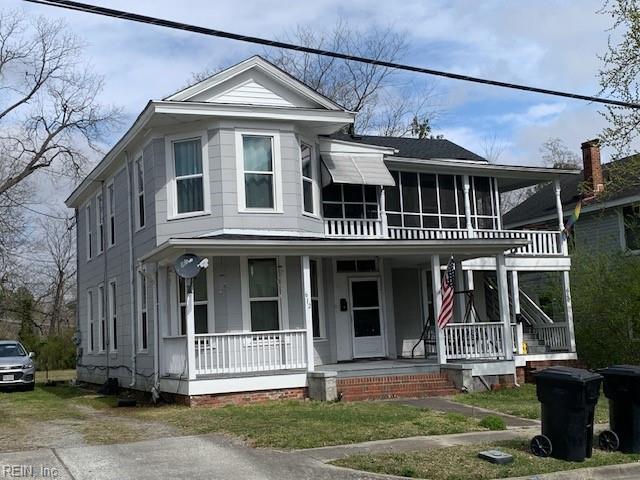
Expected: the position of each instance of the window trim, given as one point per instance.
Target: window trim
(102, 319)
(111, 210)
(99, 223)
(320, 299)
(89, 230)
(90, 322)
(140, 222)
(112, 309)
(276, 166)
(283, 301)
(315, 184)
(142, 307)
(623, 231)
(172, 200)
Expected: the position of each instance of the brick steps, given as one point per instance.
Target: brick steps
(396, 386)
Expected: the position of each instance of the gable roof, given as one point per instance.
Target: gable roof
(423, 148)
(256, 64)
(542, 204)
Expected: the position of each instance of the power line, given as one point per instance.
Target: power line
(134, 17)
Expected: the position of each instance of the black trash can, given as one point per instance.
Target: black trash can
(622, 388)
(568, 397)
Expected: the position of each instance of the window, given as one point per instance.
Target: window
(102, 333)
(113, 316)
(200, 303)
(139, 186)
(99, 221)
(189, 176)
(111, 210)
(307, 166)
(143, 327)
(89, 221)
(350, 201)
(264, 295)
(427, 200)
(316, 299)
(631, 218)
(258, 172)
(356, 266)
(91, 322)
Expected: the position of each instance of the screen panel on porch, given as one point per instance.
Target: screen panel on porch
(350, 201)
(264, 296)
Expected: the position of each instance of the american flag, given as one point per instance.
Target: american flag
(446, 310)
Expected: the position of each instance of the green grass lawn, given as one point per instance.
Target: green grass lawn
(461, 462)
(521, 402)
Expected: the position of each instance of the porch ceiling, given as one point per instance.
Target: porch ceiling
(229, 245)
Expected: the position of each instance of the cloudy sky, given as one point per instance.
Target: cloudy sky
(549, 44)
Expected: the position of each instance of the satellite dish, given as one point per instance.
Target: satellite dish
(188, 265)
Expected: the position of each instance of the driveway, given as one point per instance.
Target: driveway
(193, 457)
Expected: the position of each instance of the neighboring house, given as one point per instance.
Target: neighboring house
(323, 249)
(609, 221)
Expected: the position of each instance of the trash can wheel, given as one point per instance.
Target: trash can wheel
(541, 446)
(608, 441)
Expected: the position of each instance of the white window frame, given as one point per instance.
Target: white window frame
(102, 320)
(89, 219)
(276, 172)
(283, 302)
(100, 222)
(143, 312)
(139, 191)
(112, 308)
(172, 200)
(90, 322)
(111, 217)
(315, 189)
(322, 333)
(176, 304)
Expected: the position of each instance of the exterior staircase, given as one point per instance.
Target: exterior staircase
(395, 386)
(534, 344)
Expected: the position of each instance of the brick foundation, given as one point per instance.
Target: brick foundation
(394, 386)
(533, 367)
(242, 398)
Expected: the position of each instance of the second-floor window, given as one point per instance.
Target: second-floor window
(259, 181)
(350, 201)
(189, 176)
(99, 221)
(306, 159)
(139, 187)
(89, 220)
(111, 210)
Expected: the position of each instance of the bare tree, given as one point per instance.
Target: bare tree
(620, 73)
(492, 148)
(49, 109)
(359, 87)
(556, 154)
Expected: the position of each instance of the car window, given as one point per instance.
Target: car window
(12, 350)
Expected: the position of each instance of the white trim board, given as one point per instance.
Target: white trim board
(233, 384)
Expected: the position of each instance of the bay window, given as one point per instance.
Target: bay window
(258, 172)
(190, 177)
(350, 201)
(307, 167)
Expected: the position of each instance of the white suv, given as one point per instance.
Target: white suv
(16, 366)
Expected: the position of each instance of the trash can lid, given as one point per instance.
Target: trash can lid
(621, 370)
(567, 374)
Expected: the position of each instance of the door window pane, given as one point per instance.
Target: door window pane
(365, 293)
(257, 153)
(366, 323)
(263, 277)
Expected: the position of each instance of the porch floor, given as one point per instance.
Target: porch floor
(381, 367)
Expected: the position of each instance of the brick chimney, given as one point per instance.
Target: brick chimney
(592, 167)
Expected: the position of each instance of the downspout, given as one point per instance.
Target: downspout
(131, 277)
(156, 335)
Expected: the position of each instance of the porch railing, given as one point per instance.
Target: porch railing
(410, 233)
(246, 352)
(474, 340)
(367, 228)
(174, 356)
(554, 336)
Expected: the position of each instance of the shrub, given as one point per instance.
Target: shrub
(493, 422)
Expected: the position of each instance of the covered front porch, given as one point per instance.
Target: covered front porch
(353, 308)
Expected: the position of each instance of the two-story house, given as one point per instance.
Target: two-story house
(325, 253)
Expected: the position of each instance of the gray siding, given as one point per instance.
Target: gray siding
(407, 304)
(598, 231)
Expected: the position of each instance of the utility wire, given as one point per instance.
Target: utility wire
(134, 17)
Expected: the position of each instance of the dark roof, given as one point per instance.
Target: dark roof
(543, 202)
(423, 148)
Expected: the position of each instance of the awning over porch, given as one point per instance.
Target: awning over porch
(357, 169)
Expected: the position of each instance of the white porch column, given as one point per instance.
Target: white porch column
(497, 203)
(191, 332)
(562, 245)
(568, 310)
(459, 299)
(515, 297)
(503, 300)
(383, 214)
(466, 188)
(308, 314)
(436, 281)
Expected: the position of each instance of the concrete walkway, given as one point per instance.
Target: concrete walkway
(445, 405)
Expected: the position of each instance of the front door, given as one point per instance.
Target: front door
(366, 316)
